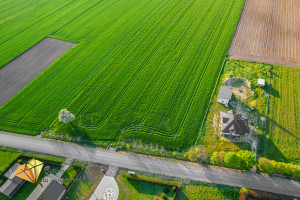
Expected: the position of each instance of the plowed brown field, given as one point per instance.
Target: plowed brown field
(269, 32)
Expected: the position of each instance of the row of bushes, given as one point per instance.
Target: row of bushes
(243, 159)
(271, 166)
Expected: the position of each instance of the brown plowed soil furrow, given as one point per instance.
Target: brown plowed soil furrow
(21, 71)
(269, 32)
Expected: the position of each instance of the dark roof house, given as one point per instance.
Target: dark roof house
(13, 183)
(233, 124)
(50, 188)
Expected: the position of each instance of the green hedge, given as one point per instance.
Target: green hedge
(271, 166)
(243, 159)
(46, 158)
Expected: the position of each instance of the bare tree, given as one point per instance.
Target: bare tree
(65, 116)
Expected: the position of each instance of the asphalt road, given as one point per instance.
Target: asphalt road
(185, 170)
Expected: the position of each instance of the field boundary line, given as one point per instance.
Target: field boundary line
(212, 94)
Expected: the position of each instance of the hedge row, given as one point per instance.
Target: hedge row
(243, 159)
(271, 166)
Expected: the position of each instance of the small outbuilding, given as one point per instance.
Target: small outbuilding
(13, 182)
(233, 125)
(261, 82)
(225, 95)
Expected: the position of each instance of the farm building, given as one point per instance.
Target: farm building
(225, 95)
(13, 182)
(48, 189)
(261, 82)
(233, 124)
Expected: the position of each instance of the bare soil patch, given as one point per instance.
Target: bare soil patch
(268, 32)
(21, 71)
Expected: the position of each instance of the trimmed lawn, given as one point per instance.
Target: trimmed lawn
(70, 174)
(143, 187)
(208, 191)
(86, 183)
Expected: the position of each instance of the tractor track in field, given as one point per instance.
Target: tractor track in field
(126, 59)
(148, 129)
(65, 94)
(140, 70)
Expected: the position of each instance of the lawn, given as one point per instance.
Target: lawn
(70, 175)
(208, 191)
(144, 187)
(283, 141)
(6, 160)
(86, 183)
(142, 69)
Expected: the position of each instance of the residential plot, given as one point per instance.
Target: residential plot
(142, 70)
(268, 32)
(17, 74)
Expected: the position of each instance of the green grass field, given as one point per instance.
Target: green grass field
(144, 187)
(6, 159)
(284, 136)
(208, 191)
(141, 69)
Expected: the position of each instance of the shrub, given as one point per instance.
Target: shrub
(272, 166)
(231, 159)
(163, 196)
(174, 188)
(247, 159)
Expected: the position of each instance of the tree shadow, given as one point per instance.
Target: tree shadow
(265, 145)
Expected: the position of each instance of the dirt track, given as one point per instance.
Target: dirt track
(17, 74)
(268, 31)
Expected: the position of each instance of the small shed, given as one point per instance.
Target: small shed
(225, 95)
(261, 82)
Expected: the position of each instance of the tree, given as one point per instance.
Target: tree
(247, 159)
(218, 158)
(214, 158)
(196, 153)
(231, 159)
(221, 156)
(65, 116)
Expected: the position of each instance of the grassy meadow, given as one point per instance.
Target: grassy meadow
(141, 69)
(283, 141)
